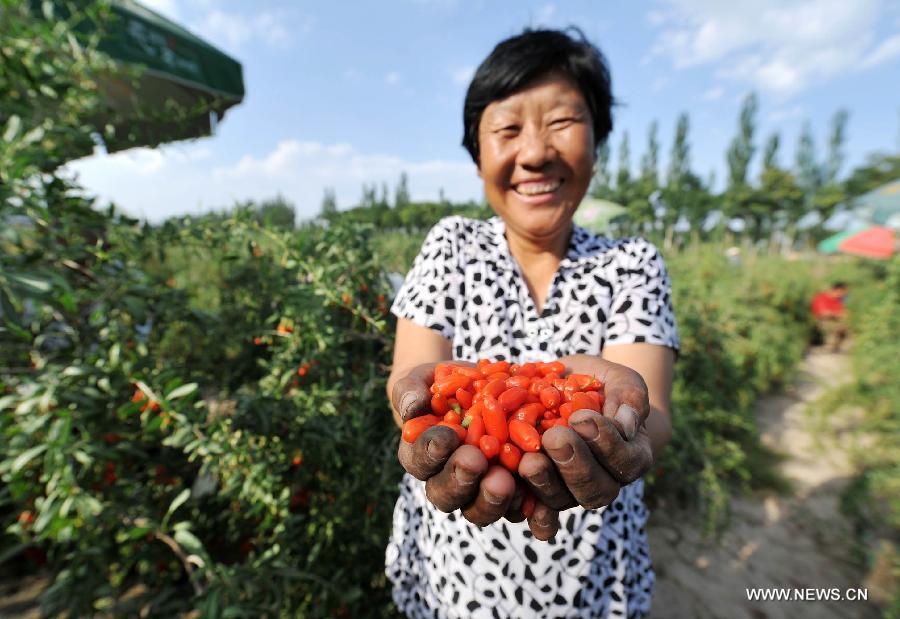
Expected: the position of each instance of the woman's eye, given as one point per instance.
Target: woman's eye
(563, 122)
(508, 130)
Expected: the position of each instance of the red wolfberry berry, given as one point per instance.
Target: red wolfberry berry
(415, 426)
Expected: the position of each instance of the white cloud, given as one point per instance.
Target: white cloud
(159, 183)
(545, 14)
(888, 50)
(234, 30)
(714, 94)
(794, 112)
(776, 46)
(463, 75)
(169, 8)
(392, 78)
(659, 84)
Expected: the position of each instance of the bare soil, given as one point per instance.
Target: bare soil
(797, 539)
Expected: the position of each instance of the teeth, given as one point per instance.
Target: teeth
(533, 189)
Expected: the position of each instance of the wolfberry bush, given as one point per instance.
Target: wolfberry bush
(193, 418)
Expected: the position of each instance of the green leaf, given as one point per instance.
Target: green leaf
(180, 392)
(12, 128)
(183, 496)
(188, 541)
(27, 456)
(37, 285)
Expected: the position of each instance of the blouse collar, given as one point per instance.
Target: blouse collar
(583, 245)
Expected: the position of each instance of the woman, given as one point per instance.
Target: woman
(528, 285)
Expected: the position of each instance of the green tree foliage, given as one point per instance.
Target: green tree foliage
(601, 184)
(879, 168)
(401, 192)
(836, 141)
(684, 193)
(329, 203)
(623, 191)
(809, 173)
(778, 200)
(739, 199)
(277, 212)
(741, 150)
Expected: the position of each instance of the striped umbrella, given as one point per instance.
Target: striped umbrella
(185, 86)
(874, 242)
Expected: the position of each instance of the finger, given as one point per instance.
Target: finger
(493, 497)
(457, 483)
(624, 460)
(540, 473)
(627, 402)
(429, 453)
(514, 511)
(411, 395)
(590, 484)
(543, 522)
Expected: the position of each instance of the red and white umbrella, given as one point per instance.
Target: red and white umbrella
(874, 242)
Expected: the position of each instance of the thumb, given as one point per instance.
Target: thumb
(627, 403)
(411, 395)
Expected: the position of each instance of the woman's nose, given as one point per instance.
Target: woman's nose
(534, 148)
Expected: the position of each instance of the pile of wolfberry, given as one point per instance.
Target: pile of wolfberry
(503, 408)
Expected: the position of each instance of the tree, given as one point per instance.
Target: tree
(879, 168)
(742, 148)
(836, 146)
(602, 181)
(684, 193)
(770, 151)
(401, 193)
(623, 172)
(277, 212)
(646, 185)
(778, 199)
(809, 175)
(329, 203)
(650, 159)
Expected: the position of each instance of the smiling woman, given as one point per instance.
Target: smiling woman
(528, 285)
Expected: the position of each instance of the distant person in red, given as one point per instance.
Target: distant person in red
(830, 314)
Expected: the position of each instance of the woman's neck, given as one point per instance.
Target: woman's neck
(538, 262)
(532, 252)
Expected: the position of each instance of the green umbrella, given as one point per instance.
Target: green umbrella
(881, 205)
(185, 85)
(596, 215)
(830, 245)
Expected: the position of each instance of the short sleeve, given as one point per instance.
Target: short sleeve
(427, 295)
(641, 309)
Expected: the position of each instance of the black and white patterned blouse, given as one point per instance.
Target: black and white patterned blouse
(467, 286)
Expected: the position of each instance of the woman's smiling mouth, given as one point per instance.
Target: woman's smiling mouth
(537, 188)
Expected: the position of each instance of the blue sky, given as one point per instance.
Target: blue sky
(345, 93)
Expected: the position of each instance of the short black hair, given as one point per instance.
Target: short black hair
(839, 285)
(525, 57)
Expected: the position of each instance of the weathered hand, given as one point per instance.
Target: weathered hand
(459, 476)
(587, 463)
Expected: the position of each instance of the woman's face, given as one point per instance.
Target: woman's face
(537, 156)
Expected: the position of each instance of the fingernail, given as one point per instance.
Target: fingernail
(490, 498)
(516, 503)
(434, 450)
(465, 477)
(407, 402)
(564, 454)
(587, 429)
(542, 522)
(540, 479)
(628, 418)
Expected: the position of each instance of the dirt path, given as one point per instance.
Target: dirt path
(796, 540)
